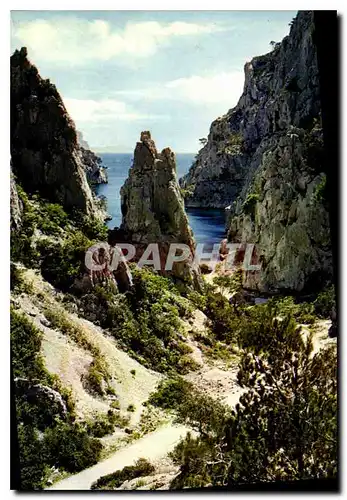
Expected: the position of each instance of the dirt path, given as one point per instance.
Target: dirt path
(152, 446)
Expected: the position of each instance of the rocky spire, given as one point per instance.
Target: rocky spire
(44, 150)
(153, 207)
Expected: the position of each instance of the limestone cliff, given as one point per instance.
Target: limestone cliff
(152, 205)
(95, 171)
(44, 150)
(16, 205)
(264, 158)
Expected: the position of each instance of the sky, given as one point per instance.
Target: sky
(170, 72)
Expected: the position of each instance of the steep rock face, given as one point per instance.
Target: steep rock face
(152, 205)
(287, 219)
(96, 173)
(281, 89)
(44, 150)
(16, 205)
(264, 158)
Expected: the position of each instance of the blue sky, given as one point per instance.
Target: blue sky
(171, 72)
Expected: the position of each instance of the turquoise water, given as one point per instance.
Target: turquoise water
(208, 225)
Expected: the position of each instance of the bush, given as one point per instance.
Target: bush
(325, 302)
(115, 405)
(170, 393)
(27, 361)
(303, 312)
(92, 227)
(112, 481)
(64, 262)
(200, 411)
(131, 408)
(71, 448)
(17, 281)
(50, 217)
(250, 203)
(221, 315)
(32, 459)
(105, 424)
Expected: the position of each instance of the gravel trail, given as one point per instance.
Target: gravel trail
(152, 446)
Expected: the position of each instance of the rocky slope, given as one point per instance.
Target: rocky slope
(264, 158)
(16, 205)
(96, 173)
(44, 149)
(153, 208)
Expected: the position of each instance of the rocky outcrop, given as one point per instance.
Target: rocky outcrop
(153, 208)
(44, 150)
(16, 205)
(95, 171)
(43, 395)
(265, 159)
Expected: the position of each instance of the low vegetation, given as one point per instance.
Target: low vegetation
(145, 321)
(98, 378)
(249, 205)
(103, 425)
(54, 241)
(284, 427)
(46, 437)
(112, 481)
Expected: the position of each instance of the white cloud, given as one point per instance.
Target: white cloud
(104, 110)
(222, 88)
(79, 41)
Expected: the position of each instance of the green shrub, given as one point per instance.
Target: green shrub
(320, 192)
(94, 379)
(325, 302)
(115, 405)
(145, 321)
(110, 391)
(221, 315)
(131, 408)
(170, 393)
(105, 424)
(64, 262)
(17, 281)
(250, 203)
(22, 248)
(27, 361)
(303, 312)
(112, 481)
(71, 448)
(133, 372)
(50, 218)
(33, 465)
(92, 227)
